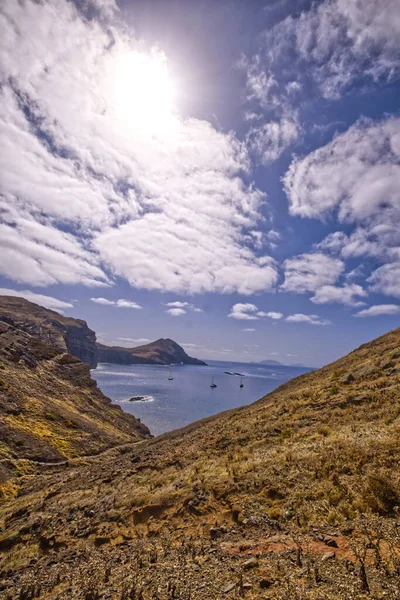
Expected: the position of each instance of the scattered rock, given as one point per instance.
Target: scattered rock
(229, 587)
(366, 371)
(265, 583)
(250, 564)
(387, 364)
(328, 556)
(346, 378)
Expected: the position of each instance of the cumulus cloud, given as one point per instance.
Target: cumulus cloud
(386, 279)
(347, 294)
(121, 303)
(176, 312)
(309, 272)
(186, 306)
(268, 141)
(309, 319)
(328, 47)
(379, 309)
(244, 312)
(357, 174)
(95, 194)
(46, 301)
(250, 312)
(355, 178)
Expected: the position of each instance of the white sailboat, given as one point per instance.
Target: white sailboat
(213, 385)
(170, 378)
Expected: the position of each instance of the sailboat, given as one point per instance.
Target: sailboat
(170, 378)
(241, 382)
(213, 385)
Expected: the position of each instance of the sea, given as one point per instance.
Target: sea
(171, 404)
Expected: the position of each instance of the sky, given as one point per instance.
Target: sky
(226, 174)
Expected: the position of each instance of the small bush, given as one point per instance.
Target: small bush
(382, 496)
(49, 416)
(333, 390)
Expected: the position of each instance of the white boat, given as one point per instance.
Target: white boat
(213, 385)
(170, 378)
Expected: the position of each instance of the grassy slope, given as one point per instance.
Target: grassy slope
(51, 409)
(306, 480)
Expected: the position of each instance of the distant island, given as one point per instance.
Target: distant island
(276, 363)
(273, 363)
(161, 352)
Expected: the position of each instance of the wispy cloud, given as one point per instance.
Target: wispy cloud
(348, 294)
(379, 309)
(309, 272)
(43, 300)
(121, 303)
(178, 308)
(309, 319)
(250, 312)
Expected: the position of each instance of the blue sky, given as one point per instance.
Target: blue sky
(222, 173)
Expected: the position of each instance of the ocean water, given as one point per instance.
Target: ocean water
(188, 397)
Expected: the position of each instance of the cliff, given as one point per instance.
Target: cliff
(50, 408)
(51, 328)
(294, 496)
(160, 352)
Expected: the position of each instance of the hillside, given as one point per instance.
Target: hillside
(50, 408)
(293, 497)
(160, 352)
(51, 328)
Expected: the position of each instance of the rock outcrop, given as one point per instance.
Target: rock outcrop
(51, 328)
(160, 352)
(50, 408)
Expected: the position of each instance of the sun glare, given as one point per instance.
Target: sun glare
(144, 93)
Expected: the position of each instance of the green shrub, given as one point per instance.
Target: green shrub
(49, 416)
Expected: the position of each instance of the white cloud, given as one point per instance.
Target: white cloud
(248, 329)
(268, 141)
(379, 309)
(330, 46)
(135, 340)
(166, 209)
(121, 303)
(386, 279)
(310, 319)
(46, 301)
(250, 312)
(103, 301)
(271, 314)
(245, 312)
(184, 305)
(346, 294)
(355, 177)
(308, 272)
(357, 174)
(176, 312)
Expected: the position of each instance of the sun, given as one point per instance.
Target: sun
(144, 93)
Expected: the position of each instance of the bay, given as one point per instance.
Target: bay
(168, 405)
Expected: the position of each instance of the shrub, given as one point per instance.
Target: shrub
(49, 416)
(382, 495)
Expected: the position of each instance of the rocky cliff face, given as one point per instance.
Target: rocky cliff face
(50, 407)
(51, 328)
(160, 352)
